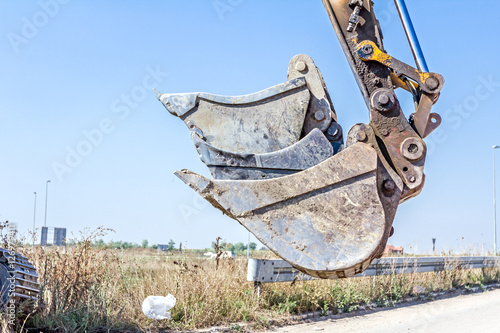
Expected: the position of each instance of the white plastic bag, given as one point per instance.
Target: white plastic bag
(156, 307)
(417, 290)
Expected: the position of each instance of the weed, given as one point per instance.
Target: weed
(95, 289)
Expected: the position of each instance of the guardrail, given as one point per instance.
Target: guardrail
(268, 271)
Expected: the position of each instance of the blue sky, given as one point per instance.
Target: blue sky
(77, 76)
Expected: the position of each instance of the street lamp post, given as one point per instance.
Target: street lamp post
(248, 246)
(34, 218)
(494, 205)
(46, 194)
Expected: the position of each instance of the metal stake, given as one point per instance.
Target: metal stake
(46, 194)
(257, 288)
(248, 246)
(34, 218)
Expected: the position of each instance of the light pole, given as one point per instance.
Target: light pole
(34, 218)
(46, 194)
(248, 246)
(494, 206)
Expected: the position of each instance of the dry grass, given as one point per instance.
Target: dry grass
(85, 289)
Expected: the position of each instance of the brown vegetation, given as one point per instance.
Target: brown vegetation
(87, 289)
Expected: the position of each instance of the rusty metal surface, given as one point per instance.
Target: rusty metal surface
(259, 123)
(393, 128)
(389, 184)
(373, 69)
(328, 221)
(424, 121)
(433, 122)
(368, 76)
(430, 83)
(313, 149)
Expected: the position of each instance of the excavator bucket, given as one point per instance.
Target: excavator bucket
(280, 165)
(328, 221)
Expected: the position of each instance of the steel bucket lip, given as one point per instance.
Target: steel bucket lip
(179, 104)
(200, 183)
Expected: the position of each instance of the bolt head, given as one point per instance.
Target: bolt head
(384, 132)
(413, 149)
(367, 49)
(319, 115)
(361, 136)
(300, 66)
(383, 99)
(412, 179)
(432, 83)
(333, 131)
(389, 186)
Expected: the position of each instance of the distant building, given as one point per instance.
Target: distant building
(12, 230)
(53, 236)
(391, 250)
(162, 247)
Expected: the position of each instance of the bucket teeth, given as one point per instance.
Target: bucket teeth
(195, 181)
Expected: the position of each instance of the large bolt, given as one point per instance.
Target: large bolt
(413, 149)
(319, 115)
(333, 131)
(367, 49)
(383, 99)
(361, 136)
(389, 186)
(432, 83)
(196, 130)
(301, 66)
(412, 179)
